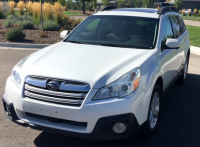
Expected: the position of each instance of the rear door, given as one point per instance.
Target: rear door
(185, 35)
(179, 34)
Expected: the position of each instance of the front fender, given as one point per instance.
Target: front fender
(150, 72)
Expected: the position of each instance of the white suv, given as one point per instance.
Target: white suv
(106, 78)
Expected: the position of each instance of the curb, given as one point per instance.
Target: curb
(22, 45)
(195, 50)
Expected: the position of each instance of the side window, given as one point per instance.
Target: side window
(176, 26)
(167, 31)
(182, 24)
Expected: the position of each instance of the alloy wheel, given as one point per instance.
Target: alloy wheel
(154, 110)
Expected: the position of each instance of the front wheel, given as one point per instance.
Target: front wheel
(154, 109)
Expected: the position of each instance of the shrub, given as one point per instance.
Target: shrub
(76, 22)
(190, 12)
(11, 6)
(195, 12)
(29, 7)
(199, 12)
(7, 23)
(180, 12)
(26, 17)
(15, 34)
(1, 5)
(24, 21)
(36, 11)
(11, 17)
(21, 6)
(27, 24)
(48, 10)
(43, 35)
(1, 15)
(49, 25)
(70, 22)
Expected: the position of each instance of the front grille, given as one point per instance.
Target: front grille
(56, 120)
(69, 93)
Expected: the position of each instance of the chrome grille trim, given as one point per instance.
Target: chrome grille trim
(69, 93)
(52, 99)
(54, 93)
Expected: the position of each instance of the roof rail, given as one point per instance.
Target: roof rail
(164, 10)
(108, 8)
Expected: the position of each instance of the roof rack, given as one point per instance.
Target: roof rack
(107, 8)
(164, 10)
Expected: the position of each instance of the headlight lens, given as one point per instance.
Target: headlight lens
(16, 72)
(122, 87)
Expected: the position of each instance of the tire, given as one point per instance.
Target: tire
(183, 76)
(154, 111)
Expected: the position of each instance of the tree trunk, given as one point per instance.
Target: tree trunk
(42, 17)
(83, 7)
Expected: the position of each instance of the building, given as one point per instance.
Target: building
(190, 4)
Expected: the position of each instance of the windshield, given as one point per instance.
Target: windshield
(119, 31)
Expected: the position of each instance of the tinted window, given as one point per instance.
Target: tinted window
(177, 26)
(182, 24)
(119, 31)
(167, 31)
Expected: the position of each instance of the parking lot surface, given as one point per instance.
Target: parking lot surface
(179, 120)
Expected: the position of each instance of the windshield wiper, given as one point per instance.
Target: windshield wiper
(115, 45)
(74, 41)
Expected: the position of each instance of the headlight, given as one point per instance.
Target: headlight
(16, 72)
(124, 86)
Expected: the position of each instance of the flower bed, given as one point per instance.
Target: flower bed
(29, 23)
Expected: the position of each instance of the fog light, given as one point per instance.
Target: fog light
(8, 110)
(119, 128)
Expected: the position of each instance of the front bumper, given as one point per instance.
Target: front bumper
(101, 131)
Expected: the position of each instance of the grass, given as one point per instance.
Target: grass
(71, 13)
(195, 18)
(194, 35)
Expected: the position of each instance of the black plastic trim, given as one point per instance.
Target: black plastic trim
(166, 9)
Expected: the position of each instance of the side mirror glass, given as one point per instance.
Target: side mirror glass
(172, 43)
(64, 34)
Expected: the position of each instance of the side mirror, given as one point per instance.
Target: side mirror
(64, 34)
(173, 43)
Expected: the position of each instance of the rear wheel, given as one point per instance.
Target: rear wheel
(154, 109)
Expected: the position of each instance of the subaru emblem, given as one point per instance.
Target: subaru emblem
(52, 85)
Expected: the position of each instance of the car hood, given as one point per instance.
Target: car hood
(92, 64)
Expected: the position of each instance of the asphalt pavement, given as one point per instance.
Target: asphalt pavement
(179, 120)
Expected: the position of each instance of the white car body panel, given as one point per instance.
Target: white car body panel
(95, 65)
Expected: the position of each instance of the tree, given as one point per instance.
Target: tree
(177, 3)
(121, 3)
(106, 2)
(147, 2)
(83, 1)
(94, 3)
(137, 3)
(128, 2)
(62, 2)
